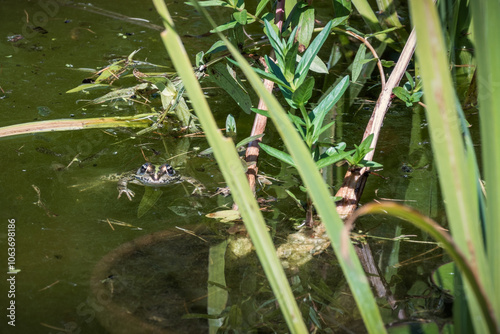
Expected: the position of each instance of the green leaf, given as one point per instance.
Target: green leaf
(415, 97)
(311, 52)
(261, 112)
(361, 151)
(322, 163)
(263, 74)
(199, 58)
(401, 93)
(225, 26)
(87, 86)
(410, 80)
(339, 21)
(224, 77)
(306, 26)
(318, 66)
(444, 277)
(274, 39)
(290, 61)
(262, 4)
(299, 124)
(325, 127)
(365, 144)
(302, 94)
(383, 32)
(241, 17)
(230, 125)
(276, 70)
(387, 63)
(342, 7)
(283, 156)
(357, 65)
(319, 113)
(249, 139)
(218, 46)
(291, 38)
(296, 119)
(369, 163)
(300, 204)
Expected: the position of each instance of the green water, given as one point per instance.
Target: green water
(59, 243)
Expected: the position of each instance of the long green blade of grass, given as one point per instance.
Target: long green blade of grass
(458, 179)
(137, 121)
(318, 190)
(227, 157)
(486, 28)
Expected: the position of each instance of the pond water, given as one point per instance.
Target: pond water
(62, 232)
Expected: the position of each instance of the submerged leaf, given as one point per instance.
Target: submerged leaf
(224, 77)
(150, 197)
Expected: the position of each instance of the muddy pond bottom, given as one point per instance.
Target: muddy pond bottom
(150, 284)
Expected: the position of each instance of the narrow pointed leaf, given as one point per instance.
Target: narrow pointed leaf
(283, 156)
(304, 92)
(357, 65)
(323, 108)
(311, 52)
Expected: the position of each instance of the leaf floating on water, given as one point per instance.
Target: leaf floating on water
(86, 86)
(225, 216)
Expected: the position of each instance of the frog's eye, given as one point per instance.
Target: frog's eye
(144, 168)
(170, 170)
(167, 169)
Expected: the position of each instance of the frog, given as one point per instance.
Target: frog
(152, 176)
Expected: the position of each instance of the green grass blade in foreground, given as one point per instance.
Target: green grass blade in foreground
(231, 167)
(457, 182)
(487, 50)
(347, 257)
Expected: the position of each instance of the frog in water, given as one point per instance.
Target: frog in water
(153, 176)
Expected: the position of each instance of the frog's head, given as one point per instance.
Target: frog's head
(152, 175)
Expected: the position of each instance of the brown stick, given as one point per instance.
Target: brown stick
(374, 53)
(259, 123)
(355, 178)
(252, 152)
